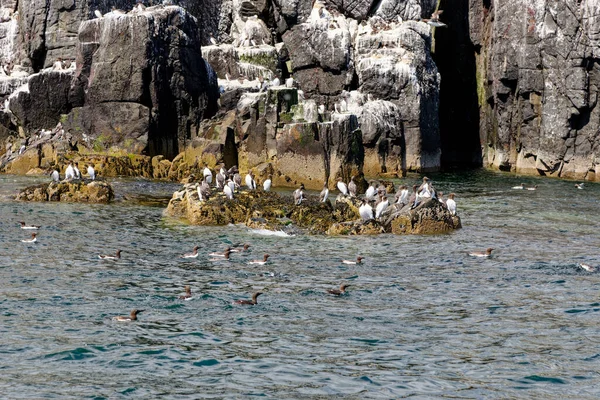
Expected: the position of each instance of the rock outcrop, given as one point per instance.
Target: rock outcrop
(69, 191)
(270, 210)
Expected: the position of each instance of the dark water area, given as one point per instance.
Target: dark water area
(421, 318)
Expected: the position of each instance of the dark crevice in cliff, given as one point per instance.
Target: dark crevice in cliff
(459, 111)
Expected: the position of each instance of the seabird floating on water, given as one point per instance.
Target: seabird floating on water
(132, 316)
(188, 293)
(110, 257)
(260, 262)
(587, 267)
(486, 253)
(32, 240)
(340, 291)
(193, 254)
(350, 262)
(249, 302)
(579, 185)
(25, 226)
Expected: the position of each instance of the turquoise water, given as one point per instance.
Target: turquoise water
(421, 318)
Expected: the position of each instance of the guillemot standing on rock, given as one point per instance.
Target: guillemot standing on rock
(324, 193)
(267, 184)
(486, 253)
(132, 316)
(340, 291)
(193, 254)
(365, 210)
(207, 174)
(381, 207)
(249, 302)
(32, 240)
(91, 172)
(110, 257)
(299, 195)
(352, 187)
(342, 187)
(250, 182)
(451, 204)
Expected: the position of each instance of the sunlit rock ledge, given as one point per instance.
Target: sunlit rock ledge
(69, 191)
(269, 210)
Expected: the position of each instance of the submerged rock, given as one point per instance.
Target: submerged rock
(72, 191)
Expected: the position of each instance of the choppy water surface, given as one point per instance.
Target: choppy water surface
(421, 319)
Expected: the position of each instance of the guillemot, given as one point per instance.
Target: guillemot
(587, 267)
(342, 187)
(259, 262)
(340, 291)
(486, 253)
(365, 210)
(358, 261)
(223, 257)
(215, 254)
(32, 240)
(352, 187)
(132, 316)
(193, 254)
(237, 250)
(249, 302)
(451, 204)
(267, 183)
(110, 257)
(324, 193)
(24, 226)
(188, 293)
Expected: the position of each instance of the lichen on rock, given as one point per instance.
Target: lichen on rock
(76, 191)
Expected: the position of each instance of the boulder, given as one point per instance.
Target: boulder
(69, 191)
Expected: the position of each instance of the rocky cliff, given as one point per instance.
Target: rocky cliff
(537, 80)
(134, 82)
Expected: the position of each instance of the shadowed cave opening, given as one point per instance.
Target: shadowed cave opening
(454, 54)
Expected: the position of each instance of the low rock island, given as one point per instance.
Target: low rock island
(76, 191)
(258, 209)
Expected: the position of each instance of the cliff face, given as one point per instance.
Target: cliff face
(538, 79)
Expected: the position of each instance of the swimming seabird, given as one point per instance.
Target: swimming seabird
(132, 316)
(358, 261)
(188, 293)
(193, 254)
(365, 210)
(267, 184)
(486, 253)
(237, 250)
(324, 193)
(223, 254)
(221, 257)
(587, 267)
(25, 226)
(520, 187)
(451, 204)
(299, 194)
(579, 185)
(381, 207)
(249, 302)
(532, 188)
(340, 291)
(342, 187)
(260, 262)
(110, 257)
(32, 240)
